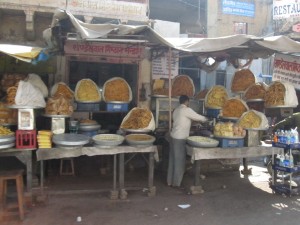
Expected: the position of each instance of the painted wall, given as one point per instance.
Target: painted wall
(219, 24)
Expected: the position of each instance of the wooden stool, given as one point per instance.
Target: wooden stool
(65, 171)
(16, 175)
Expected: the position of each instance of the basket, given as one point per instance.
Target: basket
(95, 86)
(116, 100)
(230, 143)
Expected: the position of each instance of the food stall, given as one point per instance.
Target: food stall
(99, 53)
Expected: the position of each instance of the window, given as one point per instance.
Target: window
(221, 77)
(240, 28)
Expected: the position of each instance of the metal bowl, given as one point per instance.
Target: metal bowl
(70, 139)
(108, 139)
(203, 142)
(139, 139)
(91, 127)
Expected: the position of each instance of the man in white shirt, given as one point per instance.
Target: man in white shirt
(182, 117)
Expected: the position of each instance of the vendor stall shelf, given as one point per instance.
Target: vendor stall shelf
(160, 108)
(282, 183)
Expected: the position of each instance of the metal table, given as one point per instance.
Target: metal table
(25, 156)
(58, 153)
(198, 154)
(153, 155)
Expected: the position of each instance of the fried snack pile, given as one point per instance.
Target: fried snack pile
(59, 106)
(161, 91)
(242, 79)
(116, 90)
(201, 94)
(11, 94)
(233, 108)
(9, 80)
(250, 120)
(216, 97)
(139, 118)
(87, 91)
(63, 90)
(8, 116)
(229, 129)
(183, 85)
(275, 94)
(255, 91)
(5, 131)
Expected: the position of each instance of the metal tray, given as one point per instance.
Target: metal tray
(137, 130)
(202, 145)
(103, 146)
(212, 144)
(56, 116)
(70, 139)
(24, 107)
(8, 124)
(7, 136)
(89, 101)
(10, 145)
(159, 96)
(256, 128)
(141, 142)
(255, 100)
(117, 102)
(90, 127)
(280, 106)
(233, 138)
(7, 139)
(114, 141)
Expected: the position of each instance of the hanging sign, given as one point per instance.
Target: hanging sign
(103, 49)
(287, 68)
(160, 66)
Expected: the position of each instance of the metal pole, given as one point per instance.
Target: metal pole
(170, 89)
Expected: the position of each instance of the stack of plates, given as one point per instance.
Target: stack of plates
(7, 141)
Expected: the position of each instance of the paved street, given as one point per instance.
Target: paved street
(229, 199)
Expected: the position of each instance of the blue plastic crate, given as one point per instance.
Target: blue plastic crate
(88, 107)
(214, 113)
(117, 107)
(230, 143)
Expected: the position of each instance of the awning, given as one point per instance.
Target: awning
(21, 52)
(236, 46)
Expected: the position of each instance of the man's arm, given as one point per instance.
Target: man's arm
(190, 113)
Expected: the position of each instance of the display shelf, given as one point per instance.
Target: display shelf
(285, 189)
(160, 109)
(286, 169)
(286, 146)
(280, 186)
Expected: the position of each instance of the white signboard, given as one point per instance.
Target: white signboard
(160, 66)
(287, 68)
(283, 9)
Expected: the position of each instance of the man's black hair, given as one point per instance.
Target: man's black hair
(183, 99)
